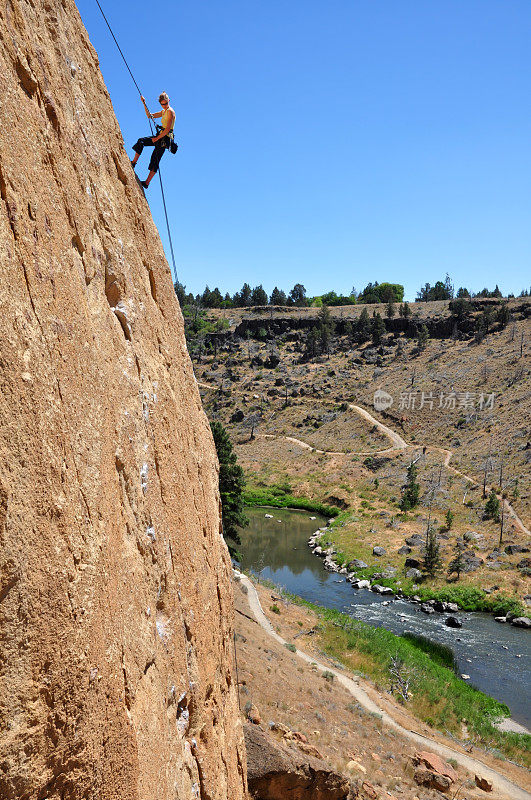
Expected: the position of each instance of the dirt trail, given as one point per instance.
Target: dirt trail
(398, 443)
(401, 443)
(396, 439)
(501, 784)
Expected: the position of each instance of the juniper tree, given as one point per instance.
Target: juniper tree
(410, 490)
(364, 326)
(258, 296)
(231, 486)
(432, 557)
(326, 328)
(377, 329)
(278, 297)
(492, 507)
(422, 337)
(312, 338)
(457, 564)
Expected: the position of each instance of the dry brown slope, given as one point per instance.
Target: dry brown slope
(116, 676)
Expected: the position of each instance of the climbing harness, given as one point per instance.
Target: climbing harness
(170, 143)
(172, 147)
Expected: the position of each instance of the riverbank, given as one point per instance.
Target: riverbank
(389, 580)
(293, 681)
(278, 497)
(437, 696)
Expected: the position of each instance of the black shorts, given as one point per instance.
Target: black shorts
(158, 152)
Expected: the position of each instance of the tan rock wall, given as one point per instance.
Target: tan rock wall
(116, 660)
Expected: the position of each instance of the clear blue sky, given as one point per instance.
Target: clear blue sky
(334, 143)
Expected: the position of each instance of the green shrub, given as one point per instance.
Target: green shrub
(264, 497)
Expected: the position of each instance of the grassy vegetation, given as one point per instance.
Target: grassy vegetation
(439, 696)
(271, 496)
(469, 598)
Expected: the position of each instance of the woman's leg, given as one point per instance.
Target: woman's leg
(157, 154)
(139, 146)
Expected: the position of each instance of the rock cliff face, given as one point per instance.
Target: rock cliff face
(116, 661)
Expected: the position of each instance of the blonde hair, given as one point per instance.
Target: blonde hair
(163, 96)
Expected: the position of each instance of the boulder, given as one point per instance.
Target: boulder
(253, 715)
(416, 540)
(412, 562)
(521, 622)
(404, 550)
(364, 584)
(381, 589)
(415, 574)
(435, 763)
(427, 608)
(511, 549)
(356, 563)
(472, 563)
(500, 619)
(432, 780)
(378, 551)
(355, 766)
(453, 622)
(368, 790)
(273, 360)
(276, 771)
(237, 416)
(309, 749)
(483, 783)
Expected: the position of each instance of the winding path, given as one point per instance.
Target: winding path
(499, 782)
(397, 443)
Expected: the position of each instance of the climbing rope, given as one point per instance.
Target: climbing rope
(174, 273)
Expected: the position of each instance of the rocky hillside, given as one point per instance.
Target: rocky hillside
(458, 401)
(116, 662)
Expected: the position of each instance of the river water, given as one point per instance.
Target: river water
(497, 657)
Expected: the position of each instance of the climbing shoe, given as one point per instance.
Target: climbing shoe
(133, 164)
(145, 184)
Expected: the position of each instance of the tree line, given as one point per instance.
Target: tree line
(373, 293)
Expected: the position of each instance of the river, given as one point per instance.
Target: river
(497, 657)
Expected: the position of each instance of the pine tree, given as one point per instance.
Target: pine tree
(377, 329)
(278, 297)
(231, 486)
(391, 309)
(180, 291)
(410, 490)
(406, 312)
(422, 337)
(326, 328)
(503, 316)
(432, 557)
(457, 564)
(297, 296)
(312, 338)
(258, 296)
(449, 519)
(349, 329)
(492, 507)
(364, 326)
